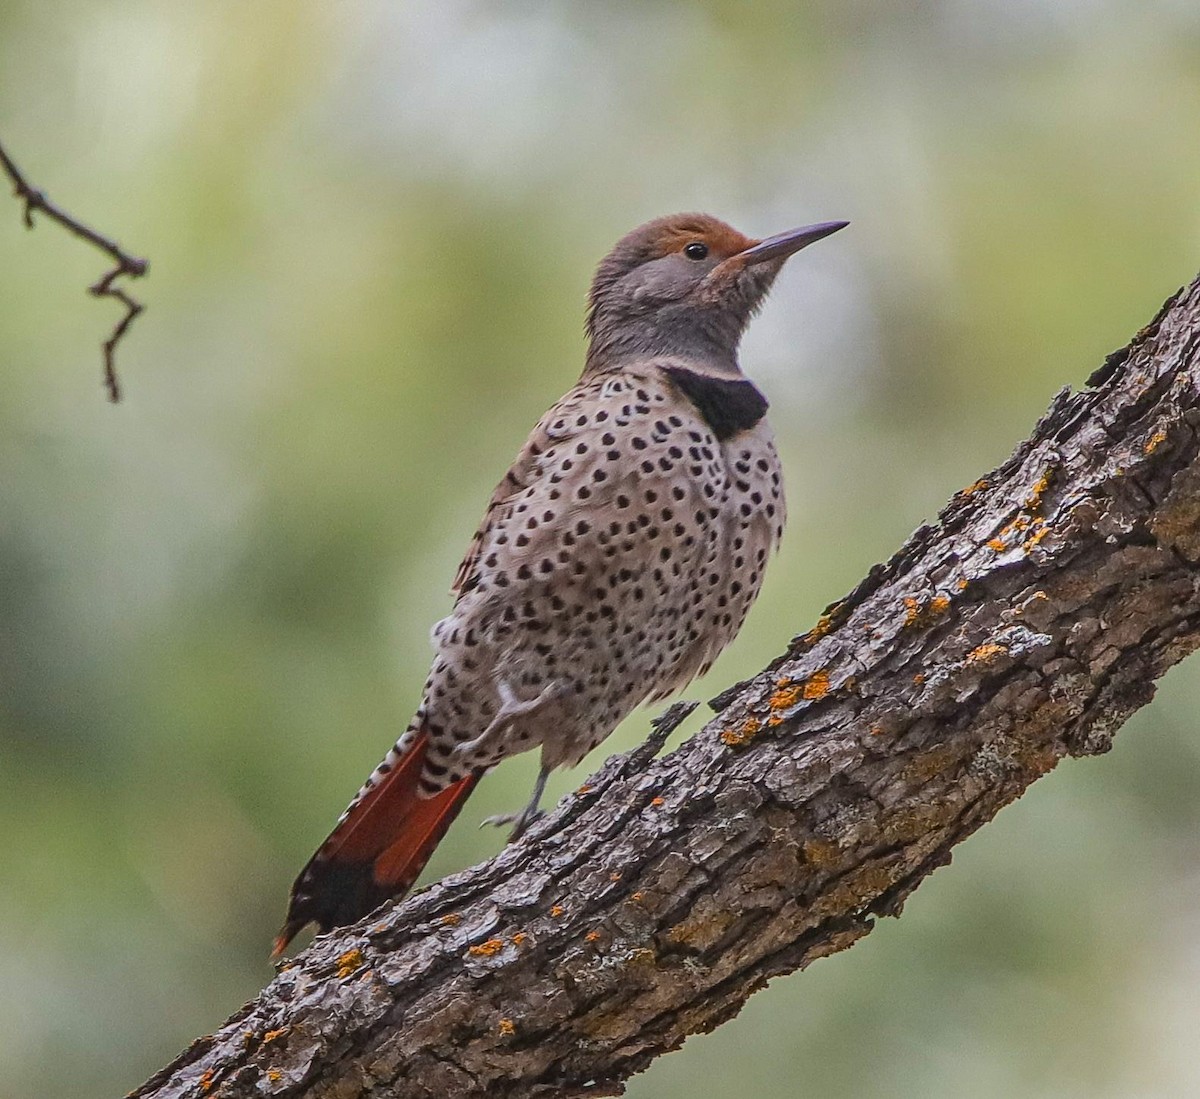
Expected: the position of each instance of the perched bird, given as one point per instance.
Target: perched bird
(615, 560)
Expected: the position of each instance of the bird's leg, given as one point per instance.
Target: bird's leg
(530, 815)
(511, 708)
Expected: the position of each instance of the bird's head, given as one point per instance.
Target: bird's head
(686, 285)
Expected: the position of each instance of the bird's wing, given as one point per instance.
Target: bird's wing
(554, 429)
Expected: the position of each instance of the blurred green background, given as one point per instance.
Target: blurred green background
(371, 226)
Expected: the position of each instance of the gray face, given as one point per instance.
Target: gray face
(677, 279)
(666, 280)
(695, 305)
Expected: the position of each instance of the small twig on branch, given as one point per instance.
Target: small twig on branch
(126, 264)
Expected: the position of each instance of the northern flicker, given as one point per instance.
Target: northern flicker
(615, 560)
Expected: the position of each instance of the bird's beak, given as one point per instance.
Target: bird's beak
(782, 245)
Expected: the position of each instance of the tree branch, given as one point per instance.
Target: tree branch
(1024, 626)
(104, 287)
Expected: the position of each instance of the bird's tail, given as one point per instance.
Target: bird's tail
(377, 849)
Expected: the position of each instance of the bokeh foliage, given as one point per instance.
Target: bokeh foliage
(371, 226)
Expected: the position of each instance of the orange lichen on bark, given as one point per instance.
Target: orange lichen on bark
(1036, 536)
(816, 686)
(978, 486)
(349, 962)
(274, 1035)
(591, 936)
(919, 612)
(637, 897)
(519, 938)
(823, 626)
(786, 696)
(486, 949)
(206, 1079)
(1155, 441)
(774, 720)
(1034, 500)
(1020, 523)
(507, 1028)
(963, 584)
(985, 653)
(584, 789)
(556, 910)
(274, 1075)
(450, 919)
(656, 802)
(735, 738)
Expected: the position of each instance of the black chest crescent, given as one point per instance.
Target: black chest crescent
(728, 405)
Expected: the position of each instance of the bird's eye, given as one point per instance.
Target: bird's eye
(696, 250)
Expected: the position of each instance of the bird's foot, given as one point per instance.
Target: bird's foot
(521, 822)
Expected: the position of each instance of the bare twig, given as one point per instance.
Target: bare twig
(126, 264)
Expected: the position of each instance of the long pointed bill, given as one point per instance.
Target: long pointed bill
(784, 244)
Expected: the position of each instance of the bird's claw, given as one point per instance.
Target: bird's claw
(521, 822)
(499, 820)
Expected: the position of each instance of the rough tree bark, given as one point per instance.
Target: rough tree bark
(1025, 625)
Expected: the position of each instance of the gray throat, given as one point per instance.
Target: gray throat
(707, 338)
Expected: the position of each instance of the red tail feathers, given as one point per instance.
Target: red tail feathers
(377, 852)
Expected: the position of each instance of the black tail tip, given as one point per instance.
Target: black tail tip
(331, 894)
